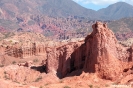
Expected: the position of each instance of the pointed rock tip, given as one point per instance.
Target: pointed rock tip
(98, 27)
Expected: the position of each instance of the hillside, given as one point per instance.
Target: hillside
(123, 28)
(48, 17)
(65, 8)
(62, 19)
(117, 11)
(60, 8)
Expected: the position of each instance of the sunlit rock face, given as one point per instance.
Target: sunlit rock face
(99, 53)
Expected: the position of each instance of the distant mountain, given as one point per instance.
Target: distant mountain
(117, 11)
(66, 8)
(54, 8)
(61, 19)
(10, 9)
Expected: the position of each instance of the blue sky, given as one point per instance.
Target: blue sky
(98, 4)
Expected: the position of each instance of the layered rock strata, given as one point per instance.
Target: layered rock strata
(21, 51)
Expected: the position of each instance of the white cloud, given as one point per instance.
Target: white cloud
(102, 2)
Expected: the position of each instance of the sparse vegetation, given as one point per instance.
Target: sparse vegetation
(8, 34)
(46, 84)
(10, 41)
(31, 22)
(16, 82)
(91, 86)
(1, 65)
(24, 84)
(14, 62)
(115, 83)
(38, 79)
(35, 60)
(106, 85)
(40, 87)
(67, 87)
(6, 77)
(5, 72)
(96, 87)
(61, 81)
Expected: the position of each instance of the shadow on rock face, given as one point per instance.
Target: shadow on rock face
(100, 53)
(41, 69)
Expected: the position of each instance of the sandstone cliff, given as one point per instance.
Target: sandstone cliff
(103, 53)
(65, 59)
(100, 53)
(23, 45)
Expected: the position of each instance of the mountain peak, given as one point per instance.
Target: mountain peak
(120, 4)
(117, 11)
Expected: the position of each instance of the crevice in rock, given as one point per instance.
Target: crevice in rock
(125, 70)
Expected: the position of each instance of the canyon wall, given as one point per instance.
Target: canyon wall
(65, 59)
(18, 50)
(99, 53)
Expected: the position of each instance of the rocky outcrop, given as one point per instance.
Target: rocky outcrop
(100, 53)
(23, 45)
(64, 59)
(104, 53)
(21, 51)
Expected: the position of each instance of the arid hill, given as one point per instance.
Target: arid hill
(99, 60)
(58, 19)
(122, 28)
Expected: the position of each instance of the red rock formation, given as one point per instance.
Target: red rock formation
(101, 54)
(64, 59)
(21, 51)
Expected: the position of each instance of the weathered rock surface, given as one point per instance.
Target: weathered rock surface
(103, 53)
(100, 56)
(100, 53)
(22, 51)
(23, 45)
(65, 59)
